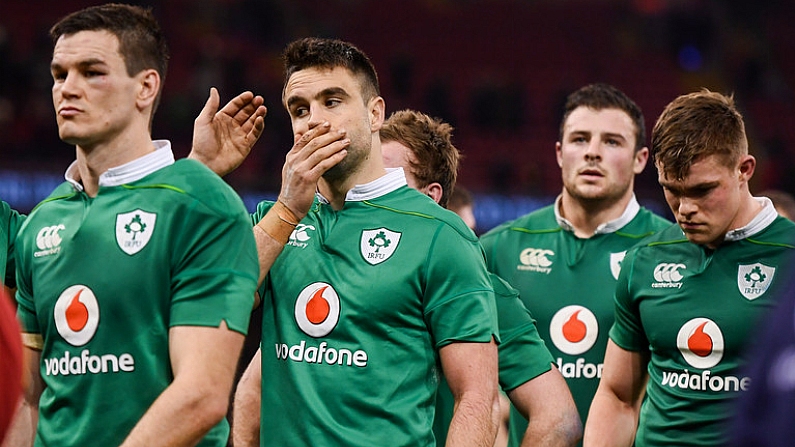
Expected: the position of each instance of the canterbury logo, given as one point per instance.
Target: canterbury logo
(536, 257)
(48, 237)
(668, 272)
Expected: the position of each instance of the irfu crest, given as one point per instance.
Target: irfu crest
(134, 229)
(753, 280)
(378, 245)
(615, 262)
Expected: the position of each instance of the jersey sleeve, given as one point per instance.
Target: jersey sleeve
(627, 330)
(216, 271)
(488, 241)
(259, 213)
(26, 310)
(523, 354)
(458, 299)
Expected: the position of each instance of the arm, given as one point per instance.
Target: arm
(246, 406)
(203, 360)
(547, 404)
(310, 157)
(22, 431)
(471, 371)
(223, 139)
(613, 418)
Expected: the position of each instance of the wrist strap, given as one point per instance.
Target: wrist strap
(279, 222)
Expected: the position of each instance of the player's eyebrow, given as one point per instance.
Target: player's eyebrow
(326, 92)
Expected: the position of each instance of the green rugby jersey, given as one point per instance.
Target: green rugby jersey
(10, 221)
(103, 279)
(567, 283)
(523, 354)
(694, 309)
(354, 312)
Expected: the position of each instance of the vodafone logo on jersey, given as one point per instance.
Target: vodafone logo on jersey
(700, 341)
(317, 309)
(573, 329)
(77, 315)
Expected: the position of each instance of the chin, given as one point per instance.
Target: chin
(68, 135)
(699, 238)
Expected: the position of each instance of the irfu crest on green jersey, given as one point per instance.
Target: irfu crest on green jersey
(378, 245)
(753, 280)
(134, 229)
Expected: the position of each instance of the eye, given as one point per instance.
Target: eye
(298, 112)
(58, 75)
(578, 139)
(613, 142)
(700, 192)
(333, 102)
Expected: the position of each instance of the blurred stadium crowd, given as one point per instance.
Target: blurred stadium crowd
(498, 70)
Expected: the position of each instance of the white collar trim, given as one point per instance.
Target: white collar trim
(392, 180)
(129, 172)
(632, 209)
(762, 220)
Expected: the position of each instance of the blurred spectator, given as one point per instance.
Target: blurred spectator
(783, 201)
(462, 203)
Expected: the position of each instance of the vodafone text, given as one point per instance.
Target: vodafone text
(86, 363)
(704, 381)
(321, 354)
(579, 369)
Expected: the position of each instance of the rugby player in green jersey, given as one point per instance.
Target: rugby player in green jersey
(688, 297)
(221, 140)
(356, 317)
(564, 258)
(120, 356)
(422, 147)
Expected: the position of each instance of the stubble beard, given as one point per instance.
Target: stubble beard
(596, 197)
(352, 163)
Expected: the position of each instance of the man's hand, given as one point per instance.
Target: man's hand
(313, 153)
(223, 139)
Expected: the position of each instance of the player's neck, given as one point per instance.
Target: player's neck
(95, 159)
(748, 210)
(587, 215)
(336, 190)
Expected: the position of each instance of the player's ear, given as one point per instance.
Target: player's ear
(148, 88)
(747, 165)
(641, 157)
(434, 191)
(559, 154)
(376, 108)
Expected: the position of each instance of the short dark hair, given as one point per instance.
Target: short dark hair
(430, 140)
(604, 96)
(313, 52)
(695, 126)
(142, 44)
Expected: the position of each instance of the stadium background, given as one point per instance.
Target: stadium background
(498, 70)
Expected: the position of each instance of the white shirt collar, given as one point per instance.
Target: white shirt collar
(632, 209)
(392, 180)
(129, 172)
(762, 220)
